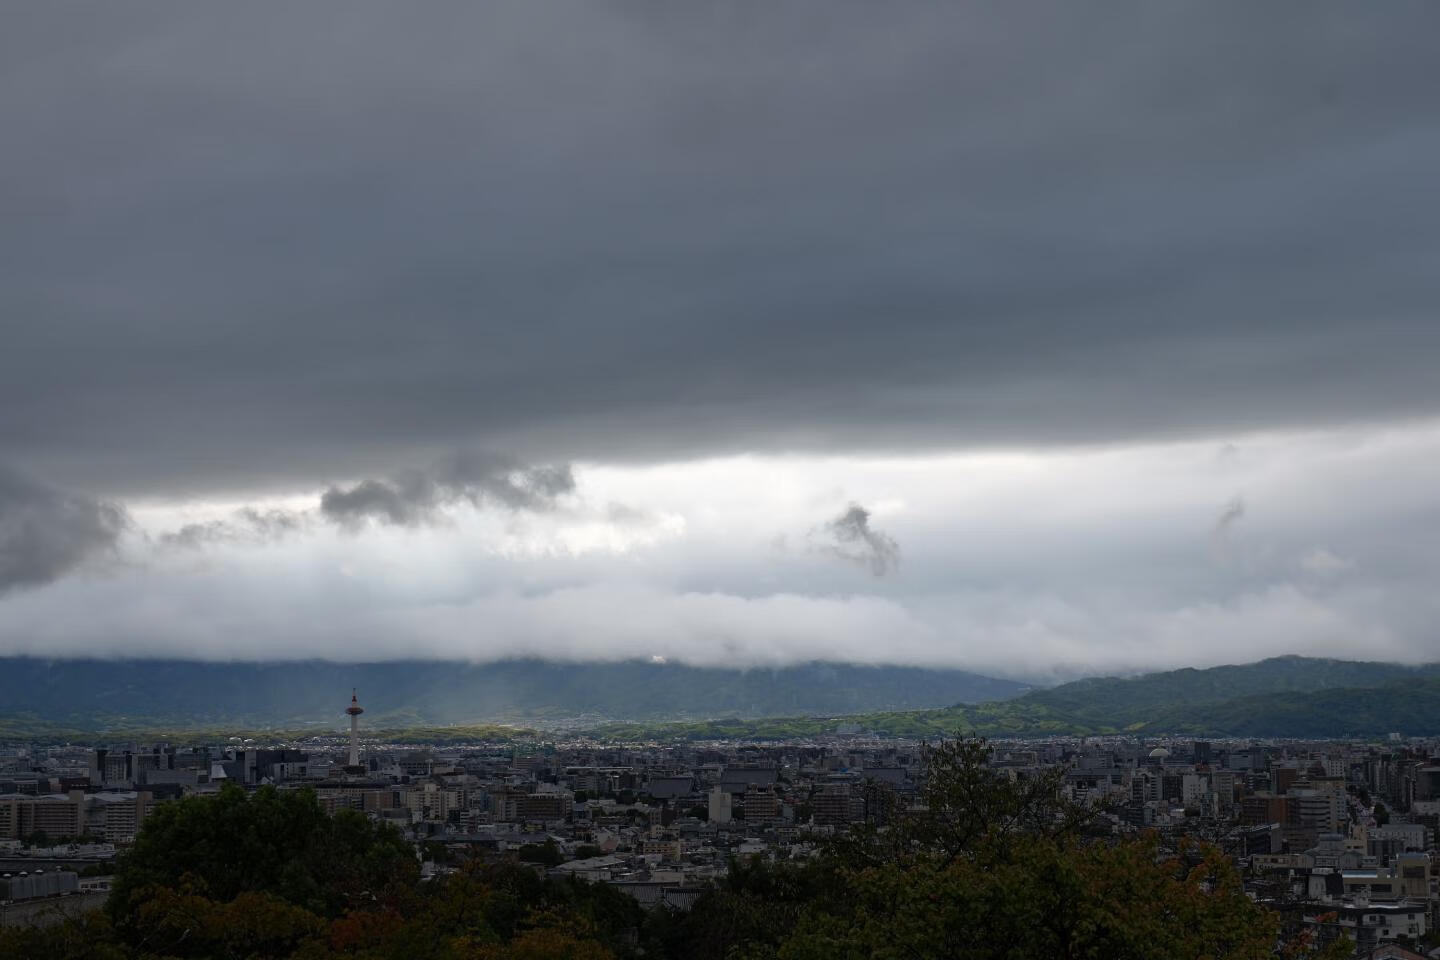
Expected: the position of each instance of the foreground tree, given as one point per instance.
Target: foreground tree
(85, 938)
(987, 866)
(272, 842)
(1067, 900)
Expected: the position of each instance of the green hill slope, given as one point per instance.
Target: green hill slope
(1283, 697)
(1409, 706)
(1121, 702)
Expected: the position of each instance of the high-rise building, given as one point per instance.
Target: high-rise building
(719, 808)
(832, 804)
(761, 803)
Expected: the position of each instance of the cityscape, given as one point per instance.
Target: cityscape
(719, 480)
(1337, 837)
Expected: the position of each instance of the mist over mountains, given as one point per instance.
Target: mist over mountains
(94, 693)
(1282, 696)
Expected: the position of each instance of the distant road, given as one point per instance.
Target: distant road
(31, 864)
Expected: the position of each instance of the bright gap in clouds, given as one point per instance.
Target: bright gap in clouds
(1036, 565)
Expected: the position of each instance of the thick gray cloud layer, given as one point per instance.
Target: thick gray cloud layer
(255, 254)
(251, 245)
(45, 533)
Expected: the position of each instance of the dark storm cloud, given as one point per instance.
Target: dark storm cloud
(257, 246)
(46, 533)
(369, 499)
(850, 537)
(478, 479)
(409, 498)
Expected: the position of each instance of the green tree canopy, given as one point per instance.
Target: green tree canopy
(547, 853)
(277, 842)
(983, 865)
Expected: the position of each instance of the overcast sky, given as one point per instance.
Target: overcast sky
(1034, 338)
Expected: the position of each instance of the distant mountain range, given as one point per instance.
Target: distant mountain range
(125, 694)
(1279, 697)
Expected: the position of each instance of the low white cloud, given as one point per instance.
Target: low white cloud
(1035, 565)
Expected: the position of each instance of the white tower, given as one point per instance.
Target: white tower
(719, 805)
(354, 710)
